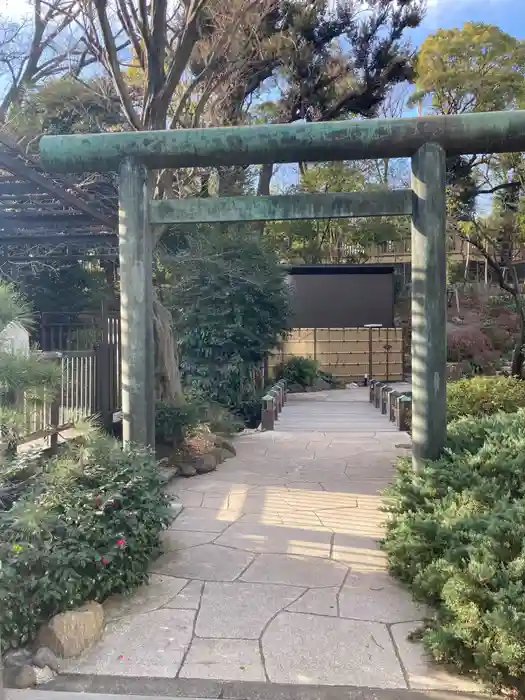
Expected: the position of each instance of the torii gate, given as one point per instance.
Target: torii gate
(427, 141)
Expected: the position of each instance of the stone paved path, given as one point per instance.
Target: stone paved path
(272, 572)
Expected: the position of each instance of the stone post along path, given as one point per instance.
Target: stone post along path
(272, 573)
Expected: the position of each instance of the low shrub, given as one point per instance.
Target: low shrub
(220, 420)
(457, 537)
(176, 420)
(298, 370)
(482, 396)
(86, 525)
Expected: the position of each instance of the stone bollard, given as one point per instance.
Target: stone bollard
(403, 411)
(284, 385)
(384, 399)
(281, 401)
(276, 408)
(267, 413)
(378, 386)
(392, 404)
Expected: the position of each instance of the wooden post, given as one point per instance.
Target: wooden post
(55, 421)
(429, 304)
(103, 393)
(136, 306)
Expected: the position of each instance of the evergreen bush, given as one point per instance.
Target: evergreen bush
(298, 370)
(457, 537)
(482, 396)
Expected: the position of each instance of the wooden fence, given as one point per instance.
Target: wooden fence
(89, 387)
(349, 354)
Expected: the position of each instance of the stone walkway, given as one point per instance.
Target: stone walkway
(272, 572)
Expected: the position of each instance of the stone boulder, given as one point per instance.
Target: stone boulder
(187, 469)
(221, 454)
(45, 657)
(69, 634)
(18, 671)
(224, 443)
(205, 463)
(20, 677)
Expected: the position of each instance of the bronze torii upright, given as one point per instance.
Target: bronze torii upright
(426, 141)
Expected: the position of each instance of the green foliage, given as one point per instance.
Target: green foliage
(220, 420)
(298, 370)
(67, 106)
(450, 62)
(14, 308)
(484, 396)
(230, 305)
(333, 240)
(20, 375)
(457, 537)
(86, 525)
(174, 421)
(70, 288)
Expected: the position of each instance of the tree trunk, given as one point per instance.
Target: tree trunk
(518, 358)
(265, 178)
(168, 385)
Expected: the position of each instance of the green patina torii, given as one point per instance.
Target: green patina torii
(426, 141)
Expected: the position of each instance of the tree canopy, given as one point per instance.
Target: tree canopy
(478, 68)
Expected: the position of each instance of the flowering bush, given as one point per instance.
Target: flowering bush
(85, 525)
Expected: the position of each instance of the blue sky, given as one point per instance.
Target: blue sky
(446, 14)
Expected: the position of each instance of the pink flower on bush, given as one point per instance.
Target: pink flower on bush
(104, 560)
(121, 542)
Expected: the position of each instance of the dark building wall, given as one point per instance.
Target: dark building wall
(342, 296)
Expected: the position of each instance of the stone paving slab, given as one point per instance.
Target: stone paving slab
(159, 591)
(273, 571)
(325, 650)
(149, 644)
(293, 570)
(206, 562)
(224, 659)
(241, 610)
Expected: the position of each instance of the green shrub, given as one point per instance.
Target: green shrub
(457, 537)
(174, 421)
(482, 396)
(231, 306)
(86, 525)
(298, 370)
(220, 420)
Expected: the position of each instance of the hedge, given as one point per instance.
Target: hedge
(86, 524)
(457, 538)
(483, 396)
